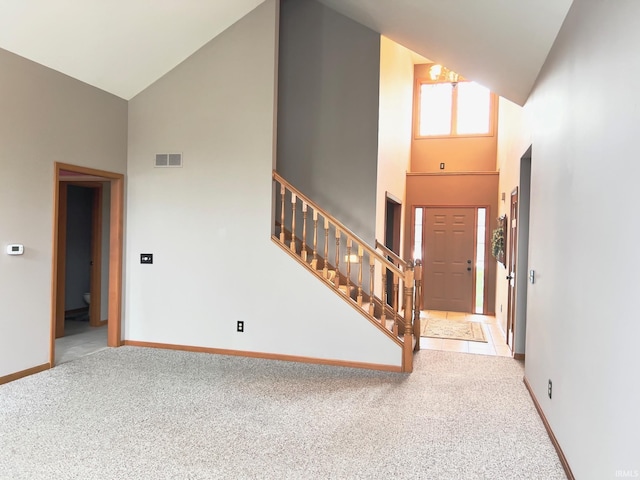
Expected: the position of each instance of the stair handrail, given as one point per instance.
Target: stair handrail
(391, 254)
(404, 304)
(348, 233)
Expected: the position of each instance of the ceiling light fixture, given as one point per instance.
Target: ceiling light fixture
(440, 74)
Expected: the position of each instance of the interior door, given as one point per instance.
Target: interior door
(511, 264)
(448, 258)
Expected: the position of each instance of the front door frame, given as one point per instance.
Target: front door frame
(487, 208)
(116, 235)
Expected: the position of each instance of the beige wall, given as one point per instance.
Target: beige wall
(209, 223)
(394, 131)
(45, 117)
(459, 154)
(514, 138)
(449, 190)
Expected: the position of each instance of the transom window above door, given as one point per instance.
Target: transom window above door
(453, 109)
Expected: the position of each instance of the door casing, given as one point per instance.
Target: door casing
(88, 176)
(512, 270)
(473, 254)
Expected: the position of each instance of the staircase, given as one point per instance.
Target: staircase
(356, 271)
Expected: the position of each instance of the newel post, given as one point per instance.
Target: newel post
(407, 361)
(417, 307)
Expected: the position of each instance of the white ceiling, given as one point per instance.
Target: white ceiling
(499, 43)
(122, 46)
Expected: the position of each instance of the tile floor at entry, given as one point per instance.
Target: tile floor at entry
(496, 344)
(80, 339)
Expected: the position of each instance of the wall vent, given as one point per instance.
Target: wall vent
(168, 160)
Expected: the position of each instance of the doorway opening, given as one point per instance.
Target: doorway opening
(392, 217)
(79, 207)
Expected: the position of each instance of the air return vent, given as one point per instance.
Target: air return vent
(165, 160)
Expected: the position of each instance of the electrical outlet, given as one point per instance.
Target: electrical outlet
(550, 389)
(146, 258)
(240, 326)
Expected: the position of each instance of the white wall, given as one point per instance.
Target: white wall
(328, 94)
(583, 329)
(208, 224)
(46, 117)
(394, 131)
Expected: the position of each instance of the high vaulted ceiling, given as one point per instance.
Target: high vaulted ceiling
(122, 46)
(499, 43)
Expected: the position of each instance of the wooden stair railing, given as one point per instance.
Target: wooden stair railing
(356, 265)
(417, 302)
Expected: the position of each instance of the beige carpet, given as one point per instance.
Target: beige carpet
(452, 329)
(146, 414)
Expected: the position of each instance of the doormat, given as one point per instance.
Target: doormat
(453, 329)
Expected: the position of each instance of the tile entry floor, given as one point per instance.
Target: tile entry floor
(80, 339)
(496, 344)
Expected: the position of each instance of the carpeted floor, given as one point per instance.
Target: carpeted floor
(133, 413)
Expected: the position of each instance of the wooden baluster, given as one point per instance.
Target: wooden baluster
(360, 253)
(349, 244)
(294, 200)
(383, 316)
(407, 361)
(417, 307)
(303, 253)
(336, 279)
(314, 261)
(282, 195)
(394, 300)
(372, 271)
(325, 270)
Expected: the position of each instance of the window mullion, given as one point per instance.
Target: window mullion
(454, 108)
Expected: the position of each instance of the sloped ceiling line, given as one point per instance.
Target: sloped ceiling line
(122, 46)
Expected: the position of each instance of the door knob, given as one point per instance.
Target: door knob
(468, 269)
(509, 277)
(468, 261)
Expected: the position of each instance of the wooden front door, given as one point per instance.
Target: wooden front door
(448, 258)
(511, 277)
